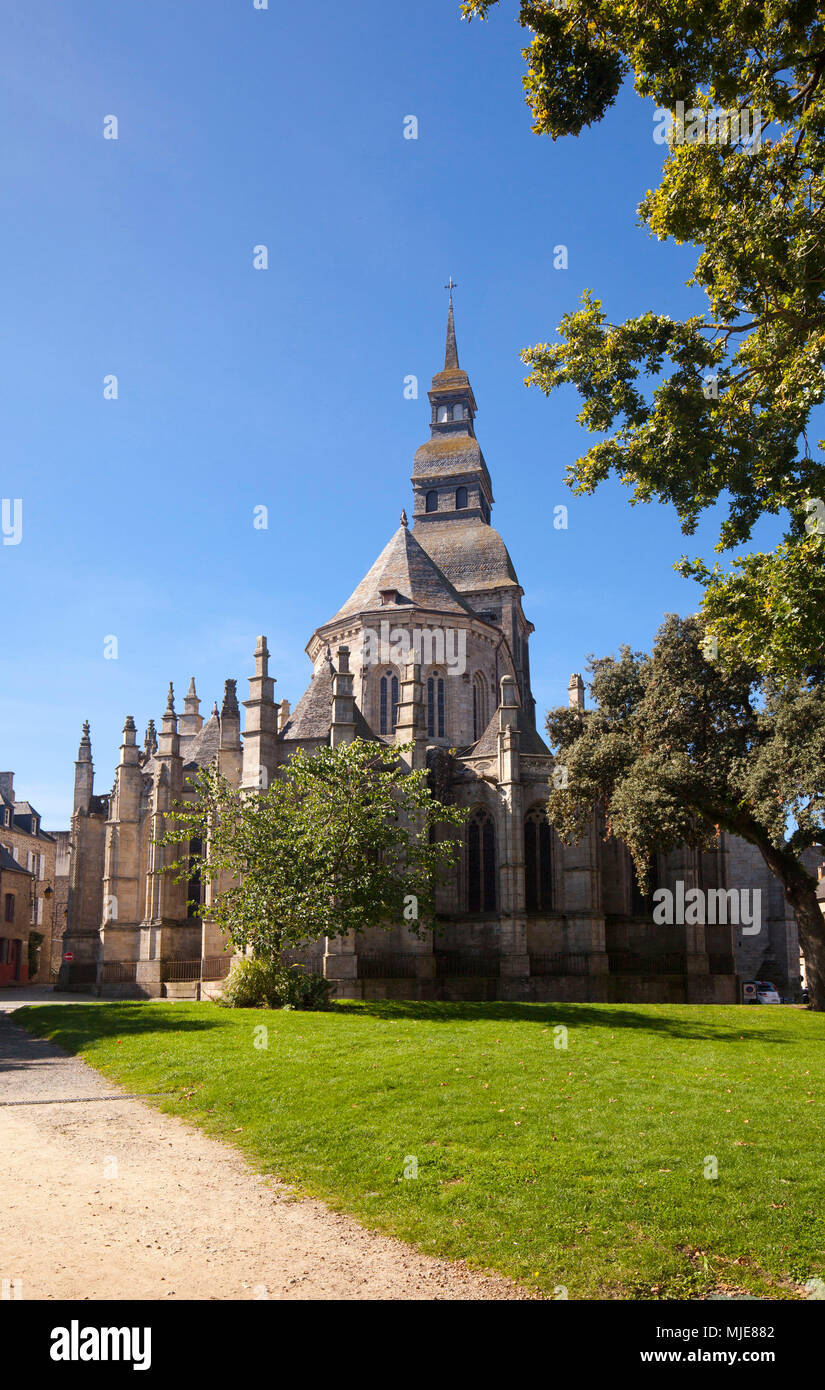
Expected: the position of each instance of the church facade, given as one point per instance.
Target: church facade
(431, 652)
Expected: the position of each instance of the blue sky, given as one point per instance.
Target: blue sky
(284, 387)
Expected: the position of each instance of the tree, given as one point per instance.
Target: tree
(338, 842)
(679, 747)
(715, 407)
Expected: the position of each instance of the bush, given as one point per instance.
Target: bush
(254, 983)
(306, 990)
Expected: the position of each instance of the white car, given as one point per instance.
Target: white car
(766, 993)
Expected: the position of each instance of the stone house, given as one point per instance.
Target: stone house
(28, 850)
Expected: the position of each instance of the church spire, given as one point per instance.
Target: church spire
(450, 477)
(450, 349)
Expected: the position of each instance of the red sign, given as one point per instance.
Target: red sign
(69, 955)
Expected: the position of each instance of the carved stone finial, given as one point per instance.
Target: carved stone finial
(229, 708)
(404, 521)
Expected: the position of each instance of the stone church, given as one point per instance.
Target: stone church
(431, 650)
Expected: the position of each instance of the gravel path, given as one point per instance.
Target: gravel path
(104, 1197)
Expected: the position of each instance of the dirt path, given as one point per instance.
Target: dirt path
(104, 1197)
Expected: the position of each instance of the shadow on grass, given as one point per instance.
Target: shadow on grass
(681, 1024)
(70, 1026)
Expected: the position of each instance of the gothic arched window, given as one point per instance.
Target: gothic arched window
(538, 863)
(432, 501)
(458, 412)
(435, 706)
(460, 498)
(479, 706)
(481, 863)
(388, 700)
(443, 414)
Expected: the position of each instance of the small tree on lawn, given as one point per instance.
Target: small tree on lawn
(339, 841)
(680, 746)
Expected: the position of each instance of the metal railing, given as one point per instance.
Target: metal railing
(486, 963)
(373, 965)
(189, 971)
(559, 963)
(216, 967)
(312, 963)
(119, 972)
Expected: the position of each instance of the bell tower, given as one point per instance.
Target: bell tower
(450, 479)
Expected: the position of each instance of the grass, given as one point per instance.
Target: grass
(580, 1167)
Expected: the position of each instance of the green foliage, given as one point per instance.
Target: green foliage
(681, 744)
(258, 983)
(36, 939)
(339, 841)
(715, 408)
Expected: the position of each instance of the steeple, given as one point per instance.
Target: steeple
(450, 476)
(450, 350)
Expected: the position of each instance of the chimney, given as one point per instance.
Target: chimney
(7, 785)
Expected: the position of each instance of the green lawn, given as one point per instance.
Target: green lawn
(581, 1167)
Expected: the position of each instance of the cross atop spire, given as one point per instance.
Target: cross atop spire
(450, 351)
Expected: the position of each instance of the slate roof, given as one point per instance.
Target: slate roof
(471, 554)
(10, 864)
(530, 742)
(406, 566)
(312, 716)
(204, 745)
(446, 454)
(25, 817)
